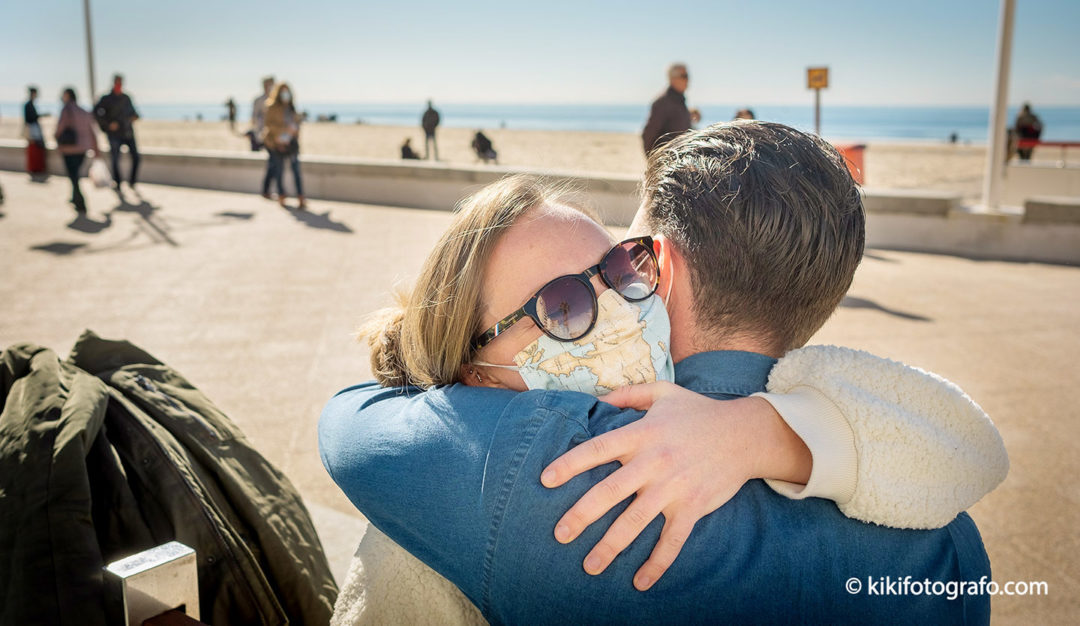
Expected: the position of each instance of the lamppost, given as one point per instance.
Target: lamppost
(89, 51)
(995, 148)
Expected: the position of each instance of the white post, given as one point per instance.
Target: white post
(995, 148)
(89, 54)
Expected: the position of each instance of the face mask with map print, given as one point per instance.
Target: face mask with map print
(627, 346)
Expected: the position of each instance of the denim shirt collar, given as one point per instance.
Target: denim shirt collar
(724, 372)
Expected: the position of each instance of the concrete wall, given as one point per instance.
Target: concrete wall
(1027, 180)
(420, 185)
(916, 220)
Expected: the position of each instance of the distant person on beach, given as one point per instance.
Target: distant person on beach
(1028, 126)
(669, 116)
(744, 114)
(429, 123)
(481, 145)
(407, 152)
(75, 136)
(281, 135)
(230, 107)
(115, 115)
(35, 140)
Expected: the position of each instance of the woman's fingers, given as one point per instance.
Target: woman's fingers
(676, 530)
(640, 397)
(601, 449)
(620, 485)
(623, 532)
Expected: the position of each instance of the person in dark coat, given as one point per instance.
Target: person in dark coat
(429, 122)
(669, 116)
(115, 114)
(35, 140)
(407, 152)
(1028, 126)
(230, 109)
(483, 148)
(75, 136)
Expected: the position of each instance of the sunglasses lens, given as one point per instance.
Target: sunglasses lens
(566, 308)
(630, 269)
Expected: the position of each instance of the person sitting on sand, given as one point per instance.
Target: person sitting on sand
(481, 145)
(407, 152)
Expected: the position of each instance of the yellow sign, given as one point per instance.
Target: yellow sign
(817, 77)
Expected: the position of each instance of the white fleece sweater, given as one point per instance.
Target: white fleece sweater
(891, 444)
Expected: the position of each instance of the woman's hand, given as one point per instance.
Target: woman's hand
(685, 458)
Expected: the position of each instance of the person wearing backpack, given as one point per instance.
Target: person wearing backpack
(75, 136)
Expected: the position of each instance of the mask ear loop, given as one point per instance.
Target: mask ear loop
(505, 367)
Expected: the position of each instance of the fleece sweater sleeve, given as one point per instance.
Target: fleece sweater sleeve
(891, 444)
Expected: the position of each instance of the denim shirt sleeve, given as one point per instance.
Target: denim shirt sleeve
(434, 469)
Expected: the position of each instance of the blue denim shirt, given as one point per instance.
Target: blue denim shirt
(453, 475)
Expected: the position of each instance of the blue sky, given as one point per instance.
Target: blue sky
(912, 52)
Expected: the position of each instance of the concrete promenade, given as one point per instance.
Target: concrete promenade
(256, 306)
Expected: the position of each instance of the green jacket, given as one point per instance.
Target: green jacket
(112, 452)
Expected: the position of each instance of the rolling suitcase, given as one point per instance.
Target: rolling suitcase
(35, 158)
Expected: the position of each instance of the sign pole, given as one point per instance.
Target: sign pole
(817, 112)
(817, 78)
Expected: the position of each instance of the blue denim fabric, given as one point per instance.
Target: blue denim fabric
(452, 475)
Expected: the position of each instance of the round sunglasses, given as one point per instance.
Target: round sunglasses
(566, 307)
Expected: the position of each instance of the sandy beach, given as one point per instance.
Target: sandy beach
(887, 164)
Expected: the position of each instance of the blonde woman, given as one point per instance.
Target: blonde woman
(527, 291)
(281, 136)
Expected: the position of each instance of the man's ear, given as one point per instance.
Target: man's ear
(662, 248)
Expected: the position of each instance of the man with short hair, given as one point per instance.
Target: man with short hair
(429, 122)
(116, 115)
(669, 115)
(759, 229)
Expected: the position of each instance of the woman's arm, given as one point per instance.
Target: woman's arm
(890, 443)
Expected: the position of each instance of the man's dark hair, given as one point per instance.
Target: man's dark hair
(31, 90)
(70, 92)
(769, 221)
(117, 77)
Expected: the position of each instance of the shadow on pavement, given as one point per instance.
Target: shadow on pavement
(59, 248)
(236, 215)
(852, 302)
(878, 257)
(315, 220)
(157, 229)
(86, 225)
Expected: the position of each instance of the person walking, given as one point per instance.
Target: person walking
(429, 122)
(74, 137)
(258, 126)
(35, 140)
(669, 116)
(281, 134)
(1028, 126)
(230, 108)
(115, 115)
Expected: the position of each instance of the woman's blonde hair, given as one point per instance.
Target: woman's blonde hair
(426, 338)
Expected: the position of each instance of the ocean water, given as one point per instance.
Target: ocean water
(837, 122)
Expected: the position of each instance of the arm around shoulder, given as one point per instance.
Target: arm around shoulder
(892, 444)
